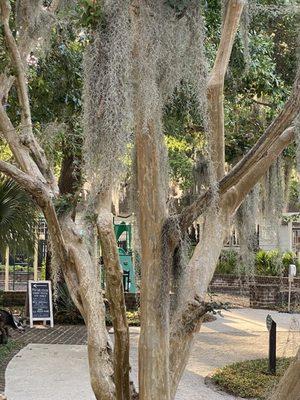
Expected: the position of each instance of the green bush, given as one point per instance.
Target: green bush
(133, 318)
(250, 378)
(269, 263)
(274, 263)
(228, 262)
(289, 258)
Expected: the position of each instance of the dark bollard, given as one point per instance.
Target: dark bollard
(271, 325)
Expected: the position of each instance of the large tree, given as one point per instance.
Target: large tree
(140, 51)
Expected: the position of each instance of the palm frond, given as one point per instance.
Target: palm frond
(18, 216)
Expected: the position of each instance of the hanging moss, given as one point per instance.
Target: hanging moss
(246, 218)
(272, 200)
(120, 81)
(107, 114)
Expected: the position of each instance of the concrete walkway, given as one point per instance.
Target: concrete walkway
(44, 372)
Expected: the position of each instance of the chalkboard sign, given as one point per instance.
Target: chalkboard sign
(40, 301)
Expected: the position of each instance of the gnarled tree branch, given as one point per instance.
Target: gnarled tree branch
(215, 89)
(20, 152)
(28, 137)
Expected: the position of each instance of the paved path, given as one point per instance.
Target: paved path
(55, 371)
(60, 334)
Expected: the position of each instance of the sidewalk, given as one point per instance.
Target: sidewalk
(46, 371)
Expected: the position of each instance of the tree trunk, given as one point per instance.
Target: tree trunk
(289, 385)
(82, 279)
(115, 295)
(187, 320)
(154, 337)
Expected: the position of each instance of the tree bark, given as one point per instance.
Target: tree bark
(154, 336)
(187, 320)
(115, 295)
(289, 385)
(82, 278)
(215, 89)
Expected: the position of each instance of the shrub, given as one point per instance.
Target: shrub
(250, 378)
(133, 318)
(274, 263)
(290, 258)
(268, 263)
(228, 262)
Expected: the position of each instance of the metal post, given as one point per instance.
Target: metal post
(289, 296)
(271, 325)
(272, 349)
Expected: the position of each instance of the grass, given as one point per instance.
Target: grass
(250, 378)
(7, 349)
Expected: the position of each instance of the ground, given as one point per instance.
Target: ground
(50, 370)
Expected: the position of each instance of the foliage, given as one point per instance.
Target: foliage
(64, 203)
(91, 14)
(228, 262)
(133, 318)
(274, 263)
(250, 379)
(181, 161)
(294, 199)
(255, 89)
(65, 311)
(55, 84)
(267, 263)
(18, 216)
(17, 268)
(289, 258)
(184, 131)
(9, 348)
